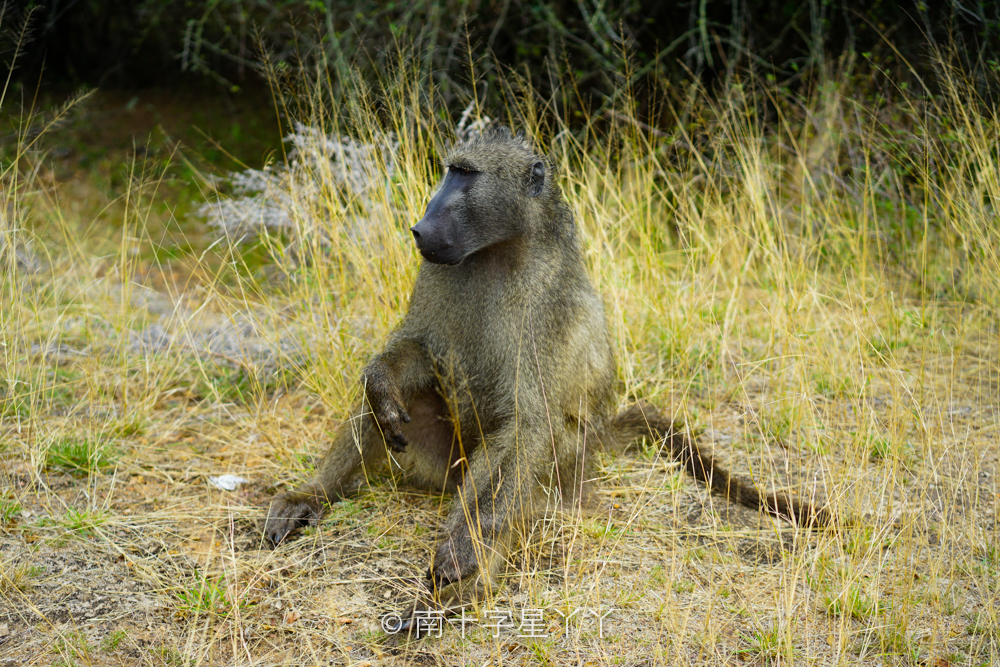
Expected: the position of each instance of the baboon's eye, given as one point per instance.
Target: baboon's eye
(460, 170)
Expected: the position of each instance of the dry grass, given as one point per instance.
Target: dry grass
(810, 283)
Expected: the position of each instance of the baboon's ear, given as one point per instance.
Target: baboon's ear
(537, 179)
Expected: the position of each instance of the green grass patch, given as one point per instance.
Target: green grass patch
(113, 640)
(73, 646)
(16, 577)
(10, 508)
(851, 603)
(206, 597)
(244, 386)
(768, 646)
(81, 455)
(84, 522)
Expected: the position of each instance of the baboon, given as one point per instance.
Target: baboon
(501, 378)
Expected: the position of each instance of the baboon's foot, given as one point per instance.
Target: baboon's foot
(289, 512)
(454, 561)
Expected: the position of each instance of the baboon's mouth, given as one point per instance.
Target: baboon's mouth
(436, 258)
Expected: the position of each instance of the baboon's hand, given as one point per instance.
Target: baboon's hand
(455, 560)
(387, 408)
(288, 513)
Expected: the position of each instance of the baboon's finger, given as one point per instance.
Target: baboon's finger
(397, 441)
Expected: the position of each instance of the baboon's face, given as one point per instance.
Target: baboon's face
(481, 202)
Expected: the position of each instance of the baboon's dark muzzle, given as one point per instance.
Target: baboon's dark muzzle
(432, 245)
(440, 234)
(434, 235)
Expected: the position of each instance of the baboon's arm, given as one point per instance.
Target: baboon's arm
(391, 380)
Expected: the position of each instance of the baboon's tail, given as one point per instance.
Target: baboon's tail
(644, 421)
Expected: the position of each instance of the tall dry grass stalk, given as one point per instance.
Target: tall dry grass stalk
(810, 281)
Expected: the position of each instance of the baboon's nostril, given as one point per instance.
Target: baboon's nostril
(416, 234)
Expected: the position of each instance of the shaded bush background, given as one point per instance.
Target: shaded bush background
(121, 43)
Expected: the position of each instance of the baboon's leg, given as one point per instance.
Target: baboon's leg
(453, 598)
(496, 500)
(393, 379)
(492, 510)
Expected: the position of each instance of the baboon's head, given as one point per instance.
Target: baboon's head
(493, 185)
